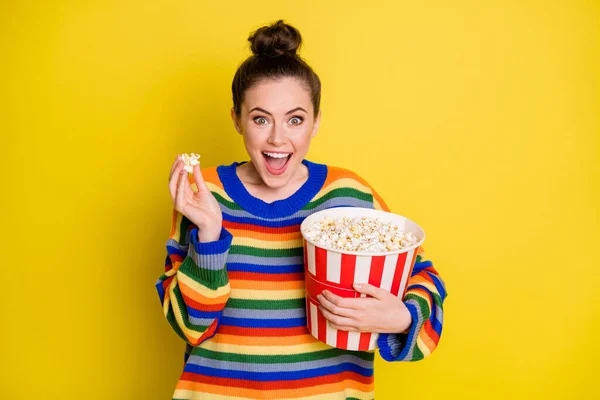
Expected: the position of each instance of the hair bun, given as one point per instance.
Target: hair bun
(275, 40)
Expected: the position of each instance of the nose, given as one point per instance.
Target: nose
(277, 136)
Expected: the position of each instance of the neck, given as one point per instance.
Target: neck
(258, 188)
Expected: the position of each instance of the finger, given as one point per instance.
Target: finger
(336, 319)
(344, 312)
(338, 300)
(174, 180)
(370, 290)
(199, 179)
(177, 160)
(181, 185)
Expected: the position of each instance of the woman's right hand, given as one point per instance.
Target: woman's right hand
(200, 207)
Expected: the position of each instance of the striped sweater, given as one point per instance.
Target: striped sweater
(239, 302)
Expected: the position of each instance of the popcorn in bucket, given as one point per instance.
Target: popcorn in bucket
(347, 245)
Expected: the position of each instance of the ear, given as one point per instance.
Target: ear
(236, 123)
(316, 125)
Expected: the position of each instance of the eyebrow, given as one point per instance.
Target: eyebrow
(266, 112)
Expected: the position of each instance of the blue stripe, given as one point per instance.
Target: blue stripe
(278, 376)
(175, 250)
(265, 269)
(262, 222)
(219, 246)
(263, 323)
(203, 314)
(435, 323)
(418, 267)
(438, 285)
(161, 291)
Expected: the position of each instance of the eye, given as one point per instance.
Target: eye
(260, 120)
(296, 120)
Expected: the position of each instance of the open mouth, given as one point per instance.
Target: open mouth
(276, 162)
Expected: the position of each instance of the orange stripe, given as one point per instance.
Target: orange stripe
(267, 285)
(263, 340)
(198, 297)
(429, 336)
(243, 233)
(210, 175)
(299, 385)
(335, 173)
(331, 388)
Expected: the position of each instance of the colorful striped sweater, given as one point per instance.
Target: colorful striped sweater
(239, 302)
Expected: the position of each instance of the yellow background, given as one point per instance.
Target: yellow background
(478, 119)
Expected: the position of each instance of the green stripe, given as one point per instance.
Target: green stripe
(226, 203)
(266, 304)
(423, 305)
(258, 252)
(340, 192)
(173, 323)
(183, 229)
(280, 358)
(417, 354)
(183, 308)
(212, 279)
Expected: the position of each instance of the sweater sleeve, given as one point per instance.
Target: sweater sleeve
(424, 300)
(195, 287)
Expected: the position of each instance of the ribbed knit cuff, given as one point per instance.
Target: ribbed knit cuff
(208, 259)
(399, 347)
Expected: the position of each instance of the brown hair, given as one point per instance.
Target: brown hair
(274, 56)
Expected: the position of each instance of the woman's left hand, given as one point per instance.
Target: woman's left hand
(382, 312)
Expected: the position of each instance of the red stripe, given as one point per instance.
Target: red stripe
(199, 306)
(321, 264)
(342, 339)
(245, 331)
(314, 288)
(166, 283)
(376, 271)
(363, 343)
(347, 272)
(261, 229)
(287, 384)
(207, 333)
(258, 276)
(398, 274)
(431, 332)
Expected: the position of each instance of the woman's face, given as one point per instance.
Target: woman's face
(277, 123)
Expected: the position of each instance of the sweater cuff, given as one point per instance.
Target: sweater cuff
(401, 346)
(208, 258)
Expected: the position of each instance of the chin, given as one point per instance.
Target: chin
(276, 181)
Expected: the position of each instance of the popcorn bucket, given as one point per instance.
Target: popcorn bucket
(338, 270)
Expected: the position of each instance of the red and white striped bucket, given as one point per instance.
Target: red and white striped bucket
(337, 271)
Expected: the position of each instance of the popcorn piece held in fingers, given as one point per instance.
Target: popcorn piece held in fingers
(189, 161)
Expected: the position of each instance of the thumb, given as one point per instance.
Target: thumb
(369, 289)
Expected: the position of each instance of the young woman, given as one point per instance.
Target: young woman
(233, 287)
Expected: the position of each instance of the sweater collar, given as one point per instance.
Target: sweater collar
(235, 189)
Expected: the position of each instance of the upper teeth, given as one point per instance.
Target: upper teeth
(277, 155)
